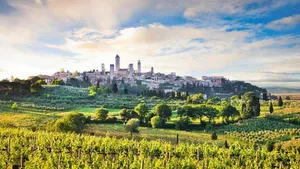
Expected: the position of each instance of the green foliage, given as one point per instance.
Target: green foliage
(14, 106)
(183, 123)
(57, 82)
(142, 110)
(270, 145)
(101, 114)
(234, 100)
(132, 125)
(49, 150)
(36, 86)
(157, 122)
(127, 114)
(280, 102)
(198, 111)
(73, 122)
(148, 117)
(251, 105)
(228, 111)
(187, 110)
(195, 98)
(215, 99)
(92, 91)
(163, 111)
(287, 98)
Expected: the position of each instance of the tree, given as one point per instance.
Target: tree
(208, 111)
(200, 113)
(195, 98)
(142, 110)
(73, 122)
(228, 111)
(214, 136)
(234, 100)
(148, 117)
(156, 122)
(251, 107)
(187, 110)
(183, 123)
(226, 145)
(280, 102)
(271, 109)
(14, 106)
(132, 126)
(92, 91)
(115, 88)
(125, 90)
(287, 98)
(211, 113)
(163, 111)
(101, 114)
(125, 115)
(57, 82)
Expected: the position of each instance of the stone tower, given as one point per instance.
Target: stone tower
(117, 63)
(139, 67)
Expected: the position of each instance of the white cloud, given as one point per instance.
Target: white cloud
(105, 15)
(284, 23)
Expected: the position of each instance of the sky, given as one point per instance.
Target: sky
(252, 40)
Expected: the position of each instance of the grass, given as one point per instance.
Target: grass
(118, 130)
(25, 120)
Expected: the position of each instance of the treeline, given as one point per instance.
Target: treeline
(237, 87)
(21, 87)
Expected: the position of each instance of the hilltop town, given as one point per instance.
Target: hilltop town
(151, 80)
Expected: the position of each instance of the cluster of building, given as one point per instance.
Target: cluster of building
(130, 76)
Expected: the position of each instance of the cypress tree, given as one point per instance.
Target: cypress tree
(280, 102)
(271, 109)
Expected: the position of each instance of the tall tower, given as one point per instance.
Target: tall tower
(103, 69)
(130, 68)
(112, 70)
(139, 67)
(117, 62)
(152, 70)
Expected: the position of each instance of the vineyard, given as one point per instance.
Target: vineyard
(56, 150)
(62, 98)
(261, 130)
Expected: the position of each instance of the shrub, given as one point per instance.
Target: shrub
(14, 106)
(101, 114)
(270, 146)
(182, 123)
(111, 119)
(73, 122)
(156, 122)
(226, 145)
(214, 136)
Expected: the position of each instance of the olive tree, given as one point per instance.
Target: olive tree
(132, 126)
(101, 114)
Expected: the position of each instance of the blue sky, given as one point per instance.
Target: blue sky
(252, 40)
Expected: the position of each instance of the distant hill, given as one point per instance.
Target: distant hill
(283, 90)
